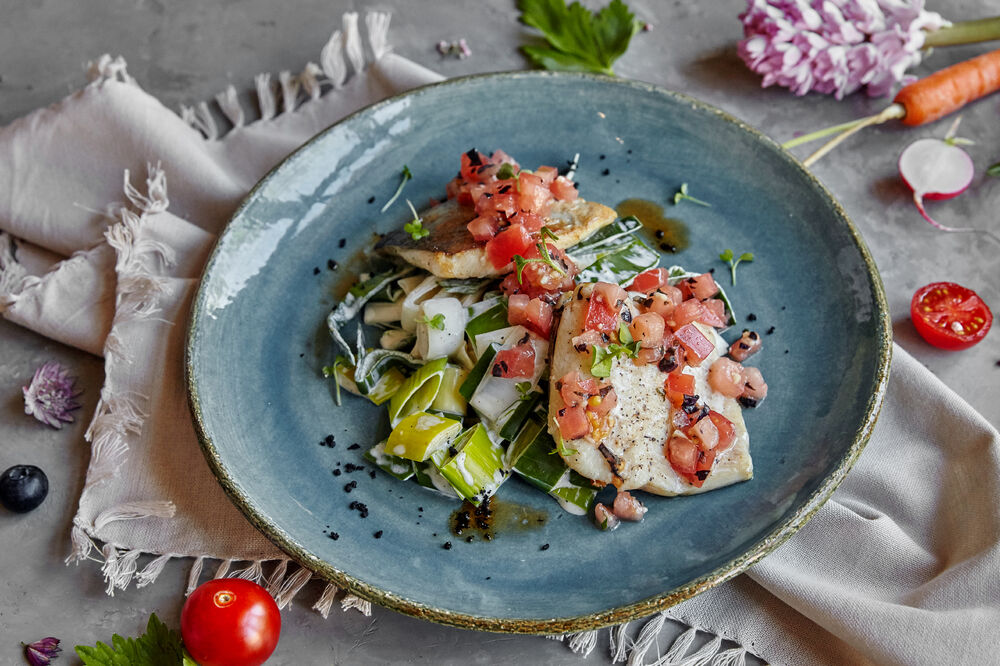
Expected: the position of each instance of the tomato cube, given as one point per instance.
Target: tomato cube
(696, 345)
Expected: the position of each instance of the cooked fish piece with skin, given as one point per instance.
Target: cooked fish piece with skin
(641, 419)
(450, 251)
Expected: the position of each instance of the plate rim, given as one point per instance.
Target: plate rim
(554, 625)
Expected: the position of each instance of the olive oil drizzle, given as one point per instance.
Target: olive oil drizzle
(666, 234)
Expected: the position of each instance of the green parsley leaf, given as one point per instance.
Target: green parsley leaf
(415, 227)
(579, 40)
(624, 334)
(682, 195)
(437, 321)
(727, 256)
(600, 362)
(523, 390)
(159, 646)
(406, 175)
(506, 171)
(994, 170)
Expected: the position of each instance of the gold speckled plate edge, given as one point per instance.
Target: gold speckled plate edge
(620, 614)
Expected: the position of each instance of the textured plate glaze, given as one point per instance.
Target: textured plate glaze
(257, 342)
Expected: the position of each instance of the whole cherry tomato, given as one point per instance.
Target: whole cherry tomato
(949, 316)
(230, 622)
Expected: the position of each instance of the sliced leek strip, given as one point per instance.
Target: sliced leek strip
(449, 401)
(419, 435)
(401, 468)
(417, 392)
(474, 465)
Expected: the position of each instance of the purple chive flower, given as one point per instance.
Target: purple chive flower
(40, 653)
(835, 46)
(459, 49)
(49, 397)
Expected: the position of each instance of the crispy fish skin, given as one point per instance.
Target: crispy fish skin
(450, 251)
(641, 419)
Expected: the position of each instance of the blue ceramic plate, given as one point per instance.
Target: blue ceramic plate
(257, 342)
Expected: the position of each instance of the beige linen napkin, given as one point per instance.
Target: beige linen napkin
(900, 567)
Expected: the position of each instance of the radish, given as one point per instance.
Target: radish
(935, 169)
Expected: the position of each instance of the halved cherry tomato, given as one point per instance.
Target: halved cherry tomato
(230, 622)
(950, 316)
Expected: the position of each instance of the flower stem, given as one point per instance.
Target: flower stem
(964, 32)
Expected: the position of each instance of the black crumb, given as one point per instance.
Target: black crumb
(342, 242)
(770, 331)
(469, 539)
(361, 508)
(371, 200)
(420, 508)
(711, 270)
(667, 247)
(315, 270)
(601, 157)
(329, 441)
(378, 535)
(629, 151)
(372, 474)
(782, 307)
(998, 364)
(348, 487)
(786, 351)
(605, 172)
(751, 317)
(545, 546)
(332, 265)
(336, 472)
(353, 447)
(301, 355)
(333, 535)
(488, 577)
(447, 545)
(351, 467)
(659, 234)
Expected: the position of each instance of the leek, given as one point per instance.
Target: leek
(479, 370)
(420, 435)
(356, 299)
(620, 264)
(374, 365)
(440, 329)
(616, 234)
(487, 321)
(411, 304)
(417, 392)
(532, 457)
(449, 400)
(401, 468)
(474, 465)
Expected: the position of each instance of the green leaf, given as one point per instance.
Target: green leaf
(624, 334)
(683, 195)
(727, 255)
(579, 39)
(159, 646)
(994, 170)
(415, 227)
(436, 322)
(506, 171)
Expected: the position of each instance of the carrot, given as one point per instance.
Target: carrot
(950, 89)
(921, 102)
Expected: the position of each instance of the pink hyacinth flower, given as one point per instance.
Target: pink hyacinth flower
(834, 46)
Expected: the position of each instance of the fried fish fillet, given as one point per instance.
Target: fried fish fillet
(642, 418)
(450, 251)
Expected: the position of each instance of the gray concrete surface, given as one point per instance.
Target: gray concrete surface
(184, 51)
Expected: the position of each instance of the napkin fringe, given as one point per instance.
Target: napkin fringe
(623, 649)
(14, 279)
(361, 605)
(325, 602)
(343, 56)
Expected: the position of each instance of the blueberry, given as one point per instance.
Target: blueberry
(23, 488)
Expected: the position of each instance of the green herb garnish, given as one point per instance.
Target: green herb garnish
(523, 390)
(437, 321)
(994, 170)
(506, 171)
(159, 646)
(415, 227)
(399, 190)
(578, 40)
(682, 195)
(520, 262)
(727, 256)
(545, 232)
(600, 363)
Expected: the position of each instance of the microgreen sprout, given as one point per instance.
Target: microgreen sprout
(727, 256)
(334, 371)
(506, 171)
(415, 227)
(520, 262)
(683, 195)
(545, 232)
(994, 170)
(523, 390)
(436, 322)
(399, 190)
